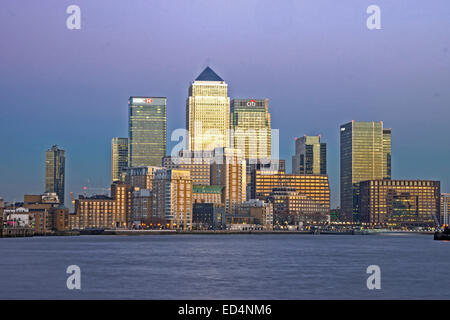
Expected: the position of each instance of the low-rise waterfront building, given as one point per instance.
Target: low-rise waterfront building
(445, 209)
(260, 211)
(312, 186)
(229, 170)
(142, 208)
(172, 191)
(41, 213)
(60, 218)
(95, 211)
(100, 211)
(208, 194)
(17, 217)
(291, 207)
(400, 202)
(208, 216)
(236, 221)
(41, 208)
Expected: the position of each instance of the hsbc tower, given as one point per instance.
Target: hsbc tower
(147, 125)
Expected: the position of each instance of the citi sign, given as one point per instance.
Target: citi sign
(251, 103)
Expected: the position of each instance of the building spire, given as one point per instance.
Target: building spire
(208, 75)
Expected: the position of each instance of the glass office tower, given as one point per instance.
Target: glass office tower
(251, 127)
(146, 131)
(119, 157)
(387, 153)
(365, 154)
(208, 112)
(310, 156)
(55, 162)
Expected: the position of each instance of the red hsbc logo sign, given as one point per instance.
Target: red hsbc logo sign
(142, 100)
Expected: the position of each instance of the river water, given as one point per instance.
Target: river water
(225, 267)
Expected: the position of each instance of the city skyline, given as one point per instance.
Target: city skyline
(334, 202)
(218, 157)
(339, 81)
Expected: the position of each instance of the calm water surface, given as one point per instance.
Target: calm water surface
(225, 267)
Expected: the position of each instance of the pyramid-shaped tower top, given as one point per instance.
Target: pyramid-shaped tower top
(208, 75)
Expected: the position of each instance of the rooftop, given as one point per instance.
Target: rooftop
(208, 75)
(207, 189)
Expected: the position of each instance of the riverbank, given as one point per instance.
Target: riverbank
(254, 232)
(29, 232)
(25, 232)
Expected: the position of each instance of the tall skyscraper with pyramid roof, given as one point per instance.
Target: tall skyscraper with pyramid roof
(208, 112)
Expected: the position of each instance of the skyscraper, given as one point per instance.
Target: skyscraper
(146, 131)
(310, 156)
(119, 157)
(208, 112)
(55, 160)
(251, 127)
(387, 153)
(365, 155)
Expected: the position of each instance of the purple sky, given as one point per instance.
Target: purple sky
(315, 60)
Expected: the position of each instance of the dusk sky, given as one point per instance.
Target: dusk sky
(315, 60)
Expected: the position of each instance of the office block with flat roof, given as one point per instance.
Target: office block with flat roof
(119, 157)
(55, 167)
(365, 154)
(251, 128)
(400, 203)
(146, 131)
(313, 186)
(310, 156)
